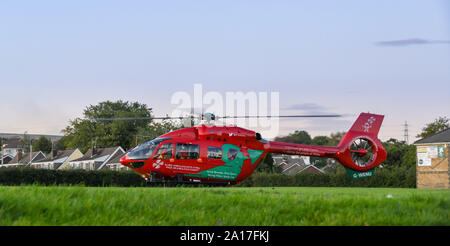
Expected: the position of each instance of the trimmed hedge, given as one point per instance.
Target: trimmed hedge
(395, 178)
(25, 176)
(398, 177)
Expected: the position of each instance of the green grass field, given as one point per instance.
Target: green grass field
(231, 206)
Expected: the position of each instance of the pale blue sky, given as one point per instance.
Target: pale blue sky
(57, 57)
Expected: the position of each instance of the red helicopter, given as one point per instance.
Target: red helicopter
(230, 154)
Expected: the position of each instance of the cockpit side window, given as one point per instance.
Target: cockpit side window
(187, 151)
(164, 152)
(145, 150)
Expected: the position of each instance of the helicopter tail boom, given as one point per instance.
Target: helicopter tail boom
(359, 149)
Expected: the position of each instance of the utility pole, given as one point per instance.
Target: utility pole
(24, 143)
(405, 133)
(31, 150)
(3, 152)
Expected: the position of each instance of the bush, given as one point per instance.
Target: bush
(401, 177)
(25, 176)
(396, 177)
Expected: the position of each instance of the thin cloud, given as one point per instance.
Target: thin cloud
(412, 41)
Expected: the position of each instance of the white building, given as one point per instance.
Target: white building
(5, 159)
(12, 146)
(25, 159)
(114, 163)
(96, 158)
(291, 164)
(58, 159)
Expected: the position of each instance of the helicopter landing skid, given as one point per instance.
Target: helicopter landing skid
(156, 179)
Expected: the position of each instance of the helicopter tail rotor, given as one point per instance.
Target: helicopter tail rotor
(360, 149)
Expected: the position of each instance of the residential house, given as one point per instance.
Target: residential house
(25, 159)
(331, 166)
(96, 158)
(311, 169)
(114, 163)
(291, 164)
(433, 164)
(12, 146)
(5, 159)
(58, 159)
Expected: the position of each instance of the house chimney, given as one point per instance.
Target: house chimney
(19, 155)
(54, 153)
(94, 151)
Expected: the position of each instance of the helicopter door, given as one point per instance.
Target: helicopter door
(215, 155)
(164, 152)
(188, 156)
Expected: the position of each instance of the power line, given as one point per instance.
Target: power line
(405, 133)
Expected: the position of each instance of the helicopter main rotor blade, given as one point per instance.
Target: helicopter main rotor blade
(221, 117)
(282, 116)
(142, 118)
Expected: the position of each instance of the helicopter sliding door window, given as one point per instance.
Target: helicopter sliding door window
(215, 153)
(187, 151)
(164, 152)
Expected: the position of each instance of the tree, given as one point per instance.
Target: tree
(267, 165)
(299, 137)
(439, 124)
(320, 162)
(63, 143)
(320, 140)
(335, 138)
(409, 158)
(399, 154)
(154, 130)
(87, 132)
(42, 144)
(25, 143)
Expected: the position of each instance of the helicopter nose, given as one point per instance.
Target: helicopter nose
(124, 160)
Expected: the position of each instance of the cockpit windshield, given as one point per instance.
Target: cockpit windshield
(145, 150)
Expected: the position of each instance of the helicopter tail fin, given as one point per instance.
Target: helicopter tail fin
(368, 124)
(360, 149)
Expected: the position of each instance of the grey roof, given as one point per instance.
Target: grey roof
(6, 159)
(59, 154)
(440, 137)
(35, 156)
(116, 158)
(312, 168)
(293, 168)
(99, 152)
(289, 164)
(288, 159)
